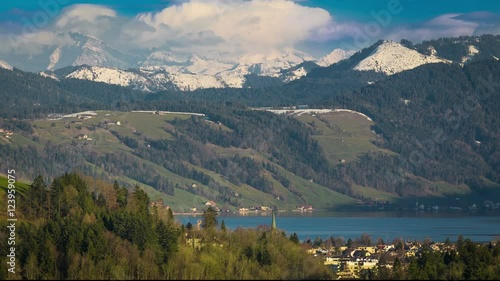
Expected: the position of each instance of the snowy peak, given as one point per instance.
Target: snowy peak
(272, 63)
(146, 79)
(162, 58)
(206, 66)
(391, 58)
(78, 49)
(5, 65)
(110, 76)
(93, 51)
(287, 55)
(334, 57)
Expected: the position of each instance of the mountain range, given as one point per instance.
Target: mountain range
(90, 58)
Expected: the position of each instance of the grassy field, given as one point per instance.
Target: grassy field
(248, 196)
(182, 200)
(137, 125)
(342, 135)
(310, 193)
(21, 188)
(316, 195)
(100, 126)
(372, 193)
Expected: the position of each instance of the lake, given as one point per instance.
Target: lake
(385, 225)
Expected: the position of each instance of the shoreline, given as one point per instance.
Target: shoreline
(188, 213)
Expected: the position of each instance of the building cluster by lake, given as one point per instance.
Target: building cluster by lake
(349, 261)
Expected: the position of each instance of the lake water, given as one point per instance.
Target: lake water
(385, 225)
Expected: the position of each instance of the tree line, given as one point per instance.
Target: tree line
(78, 227)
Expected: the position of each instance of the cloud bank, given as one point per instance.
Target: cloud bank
(234, 27)
(448, 25)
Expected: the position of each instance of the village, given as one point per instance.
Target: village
(350, 260)
(6, 133)
(242, 211)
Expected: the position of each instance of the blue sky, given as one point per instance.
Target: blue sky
(418, 10)
(314, 26)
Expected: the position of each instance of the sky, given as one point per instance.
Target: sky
(209, 27)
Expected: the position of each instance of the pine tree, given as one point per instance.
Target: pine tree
(223, 226)
(209, 218)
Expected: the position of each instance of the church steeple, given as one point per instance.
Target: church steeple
(273, 225)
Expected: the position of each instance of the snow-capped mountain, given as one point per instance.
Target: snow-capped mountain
(89, 50)
(334, 57)
(464, 49)
(111, 76)
(162, 58)
(5, 65)
(73, 49)
(391, 58)
(297, 71)
(272, 63)
(144, 79)
(163, 70)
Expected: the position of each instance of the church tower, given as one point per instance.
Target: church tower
(273, 225)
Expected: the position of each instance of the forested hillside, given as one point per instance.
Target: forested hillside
(445, 129)
(435, 136)
(80, 228)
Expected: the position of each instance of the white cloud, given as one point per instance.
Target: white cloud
(236, 25)
(87, 19)
(206, 27)
(84, 18)
(32, 43)
(233, 27)
(448, 25)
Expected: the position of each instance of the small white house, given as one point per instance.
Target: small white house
(210, 203)
(82, 137)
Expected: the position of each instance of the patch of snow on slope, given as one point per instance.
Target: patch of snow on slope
(352, 111)
(168, 112)
(54, 58)
(232, 79)
(190, 82)
(432, 50)
(48, 75)
(80, 113)
(391, 58)
(5, 65)
(108, 75)
(472, 52)
(300, 112)
(296, 74)
(334, 57)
